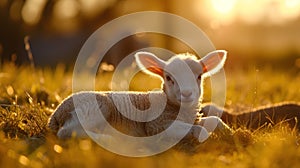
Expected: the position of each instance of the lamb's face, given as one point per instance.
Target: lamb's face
(183, 80)
(183, 74)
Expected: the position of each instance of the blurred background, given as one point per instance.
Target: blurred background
(256, 32)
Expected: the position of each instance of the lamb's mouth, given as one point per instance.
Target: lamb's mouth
(186, 100)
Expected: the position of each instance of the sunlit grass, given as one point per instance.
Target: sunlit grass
(28, 96)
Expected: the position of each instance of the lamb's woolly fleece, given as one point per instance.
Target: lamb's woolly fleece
(110, 104)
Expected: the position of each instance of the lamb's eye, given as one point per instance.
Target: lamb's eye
(168, 78)
(199, 77)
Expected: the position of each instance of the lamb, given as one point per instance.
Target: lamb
(148, 113)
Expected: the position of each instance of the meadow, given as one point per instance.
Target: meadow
(28, 96)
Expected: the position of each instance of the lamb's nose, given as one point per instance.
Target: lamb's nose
(186, 93)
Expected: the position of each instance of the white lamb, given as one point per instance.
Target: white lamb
(182, 90)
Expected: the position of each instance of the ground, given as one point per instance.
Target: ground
(29, 95)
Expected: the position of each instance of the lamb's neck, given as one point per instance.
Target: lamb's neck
(185, 112)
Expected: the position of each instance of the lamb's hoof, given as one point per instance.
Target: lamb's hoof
(200, 133)
(203, 136)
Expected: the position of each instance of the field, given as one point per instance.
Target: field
(29, 95)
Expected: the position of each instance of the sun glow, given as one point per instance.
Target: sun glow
(222, 12)
(223, 6)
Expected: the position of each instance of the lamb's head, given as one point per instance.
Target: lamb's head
(183, 74)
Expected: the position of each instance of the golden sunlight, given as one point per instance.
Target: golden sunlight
(292, 8)
(223, 6)
(292, 3)
(250, 11)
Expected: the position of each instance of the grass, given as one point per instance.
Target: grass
(28, 96)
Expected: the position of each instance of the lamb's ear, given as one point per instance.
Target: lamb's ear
(213, 62)
(149, 63)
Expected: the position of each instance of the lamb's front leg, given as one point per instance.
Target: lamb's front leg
(213, 110)
(179, 129)
(214, 119)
